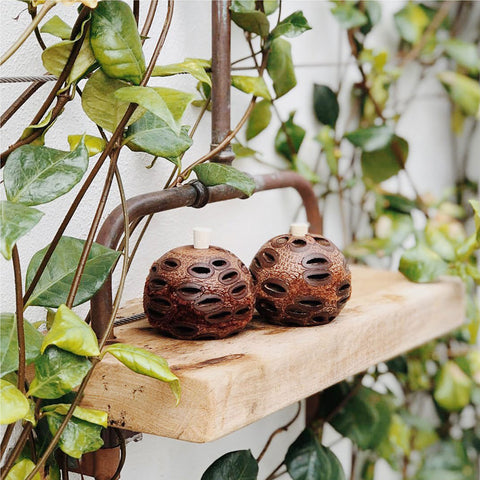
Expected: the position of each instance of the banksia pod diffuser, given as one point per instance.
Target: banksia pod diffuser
(301, 279)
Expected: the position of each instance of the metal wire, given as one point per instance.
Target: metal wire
(130, 319)
(37, 79)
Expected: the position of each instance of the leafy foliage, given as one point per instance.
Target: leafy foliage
(239, 465)
(216, 174)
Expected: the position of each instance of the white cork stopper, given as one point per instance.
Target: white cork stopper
(201, 238)
(299, 229)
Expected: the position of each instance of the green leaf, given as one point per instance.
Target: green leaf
(326, 137)
(57, 27)
(421, 264)
(242, 151)
(151, 100)
(379, 165)
(69, 332)
(15, 405)
(54, 284)
(259, 119)
(98, 417)
(368, 247)
(464, 53)
(348, 16)
(152, 135)
(9, 343)
(280, 67)
(464, 92)
(55, 57)
(57, 372)
(246, 17)
(101, 105)
(307, 459)
(291, 26)
(194, 66)
(115, 41)
(373, 10)
(35, 175)
(371, 138)
(270, 6)
(439, 240)
(218, 174)
(145, 363)
(253, 85)
(176, 100)
(394, 227)
(94, 145)
(79, 437)
(452, 387)
(325, 105)
(411, 21)
(289, 138)
(238, 465)
(21, 470)
(16, 220)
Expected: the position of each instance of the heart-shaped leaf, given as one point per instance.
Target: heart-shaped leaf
(291, 26)
(16, 220)
(9, 343)
(54, 284)
(253, 85)
(57, 372)
(115, 41)
(21, 470)
(69, 332)
(14, 403)
(218, 174)
(259, 118)
(238, 465)
(35, 175)
(280, 67)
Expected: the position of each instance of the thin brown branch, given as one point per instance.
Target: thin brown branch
(6, 438)
(16, 450)
(149, 20)
(15, 106)
(19, 318)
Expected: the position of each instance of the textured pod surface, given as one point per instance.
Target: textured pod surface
(300, 281)
(199, 293)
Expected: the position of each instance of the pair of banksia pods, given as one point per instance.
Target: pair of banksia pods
(200, 292)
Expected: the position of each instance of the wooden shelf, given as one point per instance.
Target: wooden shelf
(228, 384)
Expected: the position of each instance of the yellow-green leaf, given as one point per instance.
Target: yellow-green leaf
(15, 405)
(453, 387)
(253, 85)
(69, 332)
(94, 145)
(194, 66)
(21, 470)
(91, 415)
(464, 91)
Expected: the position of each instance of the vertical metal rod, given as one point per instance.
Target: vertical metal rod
(221, 79)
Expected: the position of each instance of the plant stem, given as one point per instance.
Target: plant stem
(272, 475)
(354, 390)
(19, 318)
(6, 438)
(16, 451)
(49, 4)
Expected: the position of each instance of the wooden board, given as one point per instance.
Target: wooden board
(227, 384)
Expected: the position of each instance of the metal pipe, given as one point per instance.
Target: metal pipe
(221, 78)
(184, 196)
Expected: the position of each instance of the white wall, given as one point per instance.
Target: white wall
(240, 225)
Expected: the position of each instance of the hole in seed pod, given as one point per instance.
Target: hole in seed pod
(256, 261)
(310, 302)
(316, 261)
(184, 331)
(154, 314)
(170, 263)
(189, 291)
(269, 257)
(299, 243)
(219, 316)
(239, 290)
(219, 263)
(208, 303)
(200, 270)
(154, 268)
(322, 241)
(158, 283)
(343, 301)
(274, 288)
(344, 287)
(267, 306)
(317, 278)
(279, 241)
(331, 318)
(295, 311)
(242, 311)
(161, 302)
(320, 320)
(229, 277)
(209, 300)
(254, 277)
(206, 337)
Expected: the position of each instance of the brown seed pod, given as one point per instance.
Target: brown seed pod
(193, 293)
(300, 280)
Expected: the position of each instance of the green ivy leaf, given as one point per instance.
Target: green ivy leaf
(218, 174)
(98, 417)
(35, 175)
(307, 459)
(57, 27)
(421, 264)
(253, 85)
(16, 220)
(115, 41)
(54, 284)
(69, 332)
(57, 372)
(379, 165)
(452, 387)
(152, 135)
(101, 105)
(94, 145)
(280, 67)
(194, 66)
(238, 465)
(291, 26)
(259, 119)
(21, 470)
(79, 437)
(325, 105)
(371, 138)
(243, 13)
(9, 343)
(146, 363)
(289, 139)
(348, 16)
(463, 91)
(151, 100)
(55, 57)
(176, 100)
(15, 405)
(411, 21)
(464, 53)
